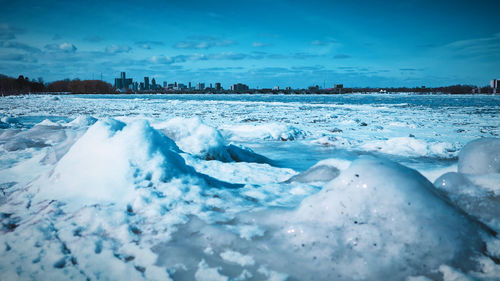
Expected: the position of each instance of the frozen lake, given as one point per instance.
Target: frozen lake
(250, 187)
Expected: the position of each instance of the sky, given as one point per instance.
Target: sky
(262, 43)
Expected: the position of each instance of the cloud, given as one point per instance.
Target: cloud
(8, 32)
(203, 42)
(410, 69)
(260, 44)
(228, 56)
(304, 55)
(323, 42)
(63, 47)
(169, 60)
(93, 38)
(147, 44)
(485, 46)
(341, 56)
(17, 57)
(308, 68)
(116, 49)
(19, 46)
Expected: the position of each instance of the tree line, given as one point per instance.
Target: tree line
(22, 85)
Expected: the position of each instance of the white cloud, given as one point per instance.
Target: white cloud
(63, 47)
(116, 49)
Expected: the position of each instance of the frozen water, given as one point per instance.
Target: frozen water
(249, 187)
(481, 156)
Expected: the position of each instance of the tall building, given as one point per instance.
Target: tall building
(189, 87)
(146, 83)
(200, 86)
(495, 84)
(122, 82)
(239, 87)
(218, 87)
(153, 84)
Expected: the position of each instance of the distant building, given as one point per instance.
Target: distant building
(495, 84)
(338, 86)
(146, 83)
(276, 88)
(200, 86)
(122, 82)
(239, 87)
(218, 87)
(165, 84)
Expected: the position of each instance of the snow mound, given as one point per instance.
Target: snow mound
(195, 137)
(377, 220)
(82, 121)
(481, 156)
(317, 173)
(271, 131)
(475, 188)
(36, 137)
(113, 159)
(206, 142)
(412, 147)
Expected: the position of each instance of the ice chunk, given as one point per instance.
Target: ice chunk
(408, 146)
(245, 154)
(37, 137)
(82, 121)
(271, 131)
(480, 156)
(196, 138)
(381, 221)
(110, 157)
(237, 257)
(476, 200)
(321, 173)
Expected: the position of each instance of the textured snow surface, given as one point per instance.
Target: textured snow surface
(228, 187)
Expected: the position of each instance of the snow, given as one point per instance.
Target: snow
(249, 187)
(475, 187)
(480, 156)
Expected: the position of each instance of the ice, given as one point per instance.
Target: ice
(319, 173)
(113, 159)
(82, 121)
(197, 138)
(272, 131)
(481, 156)
(249, 187)
(376, 217)
(193, 136)
(475, 187)
(410, 146)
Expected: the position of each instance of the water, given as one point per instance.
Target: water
(201, 187)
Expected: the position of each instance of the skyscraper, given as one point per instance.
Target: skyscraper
(123, 82)
(146, 83)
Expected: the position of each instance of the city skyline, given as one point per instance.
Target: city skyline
(261, 44)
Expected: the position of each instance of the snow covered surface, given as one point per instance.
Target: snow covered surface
(250, 187)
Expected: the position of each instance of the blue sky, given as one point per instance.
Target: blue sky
(260, 43)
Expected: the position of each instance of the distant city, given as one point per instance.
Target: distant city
(122, 84)
(125, 84)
